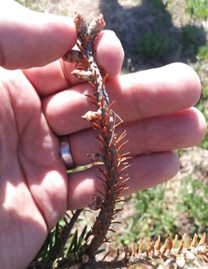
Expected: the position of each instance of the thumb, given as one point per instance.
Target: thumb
(31, 39)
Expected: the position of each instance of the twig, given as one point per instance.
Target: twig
(104, 121)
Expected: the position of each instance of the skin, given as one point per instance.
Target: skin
(40, 100)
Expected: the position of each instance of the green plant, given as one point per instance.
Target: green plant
(193, 204)
(157, 4)
(191, 40)
(153, 216)
(156, 216)
(203, 53)
(153, 46)
(197, 8)
(203, 107)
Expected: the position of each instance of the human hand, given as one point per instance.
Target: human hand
(38, 104)
(156, 107)
(33, 179)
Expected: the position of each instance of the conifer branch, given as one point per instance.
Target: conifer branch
(104, 121)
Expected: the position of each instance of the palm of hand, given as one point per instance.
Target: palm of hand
(34, 189)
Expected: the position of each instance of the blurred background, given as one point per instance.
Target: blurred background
(154, 33)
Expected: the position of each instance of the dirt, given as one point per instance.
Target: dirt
(194, 163)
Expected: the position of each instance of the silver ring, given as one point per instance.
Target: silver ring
(65, 152)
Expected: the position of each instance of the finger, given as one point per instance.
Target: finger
(109, 56)
(30, 38)
(109, 53)
(57, 76)
(144, 172)
(163, 133)
(137, 96)
(156, 92)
